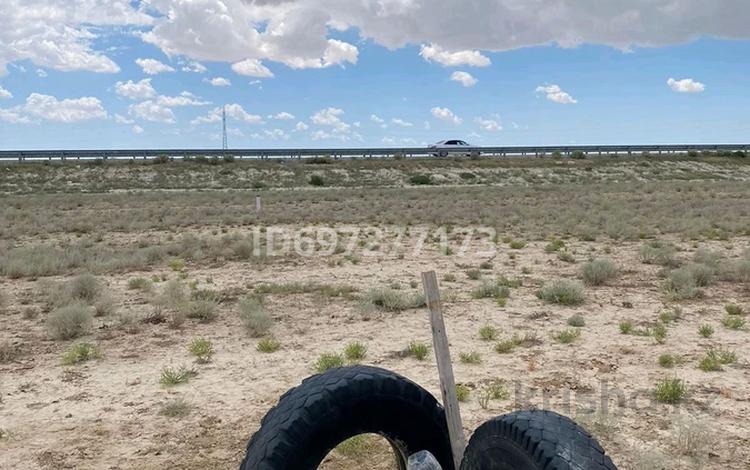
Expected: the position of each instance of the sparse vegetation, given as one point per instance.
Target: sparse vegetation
(706, 331)
(659, 252)
(140, 283)
(491, 289)
(80, 352)
(470, 358)
(562, 291)
(177, 408)
(577, 321)
(567, 336)
(355, 351)
(203, 310)
(682, 284)
(667, 360)
(171, 376)
(418, 350)
(733, 322)
(734, 309)
(488, 333)
(388, 299)
(462, 393)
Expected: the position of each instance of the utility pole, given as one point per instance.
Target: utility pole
(224, 142)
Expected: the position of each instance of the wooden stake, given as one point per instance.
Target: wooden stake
(445, 367)
(257, 204)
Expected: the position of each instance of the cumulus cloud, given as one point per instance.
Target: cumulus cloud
(218, 81)
(464, 78)
(282, 116)
(234, 111)
(686, 85)
(378, 120)
(5, 94)
(489, 124)
(434, 53)
(252, 68)
(49, 108)
(445, 114)
(185, 99)
(152, 111)
(194, 67)
(556, 94)
(330, 117)
(301, 126)
(120, 119)
(135, 90)
(137, 129)
(401, 122)
(153, 66)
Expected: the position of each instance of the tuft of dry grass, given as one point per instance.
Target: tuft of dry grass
(599, 272)
(254, 315)
(562, 291)
(70, 321)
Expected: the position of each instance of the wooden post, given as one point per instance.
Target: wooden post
(257, 204)
(445, 367)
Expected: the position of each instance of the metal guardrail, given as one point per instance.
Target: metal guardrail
(63, 155)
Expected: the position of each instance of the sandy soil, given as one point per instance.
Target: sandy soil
(105, 413)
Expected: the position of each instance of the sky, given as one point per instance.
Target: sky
(380, 73)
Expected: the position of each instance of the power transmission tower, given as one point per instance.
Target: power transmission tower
(224, 142)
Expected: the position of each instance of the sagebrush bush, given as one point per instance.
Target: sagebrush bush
(84, 288)
(328, 361)
(202, 310)
(659, 252)
(474, 274)
(667, 361)
(734, 309)
(140, 283)
(599, 272)
(470, 358)
(70, 321)
(567, 335)
(681, 284)
(562, 291)
(577, 321)
(253, 314)
(733, 322)
(462, 393)
(490, 289)
(386, 298)
(488, 333)
(176, 408)
(80, 352)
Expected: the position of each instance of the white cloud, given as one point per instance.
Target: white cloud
(320, 135)
(137, 129)
(446, 114)
(153, 66)
(378, 120)
(401, 122)
(120, 119)
(686, 85)
(252, 68)
(556, 94)
(388, 141)
(490, 124)
(49, 108)
(185, 99)
(275, 134)
(218, 81)
(152, 111)
(234, 111)
(41, 73)
(282, 116)
(434, 53)
(464, 78)
(330, 117)
(301, 126)
(135, 90)
(194, 67)
(5, 94)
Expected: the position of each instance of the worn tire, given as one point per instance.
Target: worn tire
(326, 409)
(534, 440)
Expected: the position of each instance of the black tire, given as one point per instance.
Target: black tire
(326, 409)
(534, 440)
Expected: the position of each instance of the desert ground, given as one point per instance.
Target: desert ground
(150, 317)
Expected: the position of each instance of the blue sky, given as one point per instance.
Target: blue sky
(358, 87)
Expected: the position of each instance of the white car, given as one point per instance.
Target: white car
(445, 147)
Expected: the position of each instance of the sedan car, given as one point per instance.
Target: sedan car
(445, 147)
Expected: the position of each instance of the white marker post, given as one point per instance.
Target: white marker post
(445, 367)
(257, 204)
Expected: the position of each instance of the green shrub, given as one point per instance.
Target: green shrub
(202, 310)
(316, 180)
(177, 408)
(171, 376)
(176, 264)
(599, 271)
(667, 361)
(517, 244)
(659, 333)
(70, 321)
(462, 393)
(554, 245)
(419, 350)
(488, 333)
(420, 179)
(84, 288)
(706, 331)
(506, 346)
(670, 390)
(470, 358)
(681, 284)
(577, 321)
(328, 361)
(567, 336)
(80, 352)
(733, 322)
(733, 309)
(268, 345)
(566, 256)
(473, 274)
(448, 277)
(355, 351)
(562, 291)
(626, 327)
(202, 349)
(254, 315)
